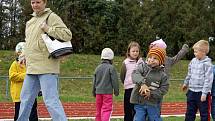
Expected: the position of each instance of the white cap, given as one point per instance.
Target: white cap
(20, 47)
(107, 53)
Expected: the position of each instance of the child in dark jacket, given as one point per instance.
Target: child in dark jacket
(170, 61)
(151, 84)
(105, 82)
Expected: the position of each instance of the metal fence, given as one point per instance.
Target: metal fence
(6, 83)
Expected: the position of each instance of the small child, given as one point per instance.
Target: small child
(129, 64)
(105, 82)
(199, 81)
(152, 75)
(17, 74)
(170, 61)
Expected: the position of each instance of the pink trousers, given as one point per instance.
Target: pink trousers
(104, 106)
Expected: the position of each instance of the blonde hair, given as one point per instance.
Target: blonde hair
(132, 44)
(202, 45)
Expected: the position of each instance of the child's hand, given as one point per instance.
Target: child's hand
(184, 87)
(185, 46)
(203, 98)
(143, 89)
(22, 60)
(147, 94)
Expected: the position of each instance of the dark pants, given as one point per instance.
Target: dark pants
(33, 115)
(213, 108)
(194, 103)
(128, 107)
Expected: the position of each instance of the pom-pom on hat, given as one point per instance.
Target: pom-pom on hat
(160, 53)
(20, 47)
(158, 43)
(107, 53)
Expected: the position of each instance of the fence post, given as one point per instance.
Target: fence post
(58, 84)
(7, 87)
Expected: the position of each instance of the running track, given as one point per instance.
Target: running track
(88, 109)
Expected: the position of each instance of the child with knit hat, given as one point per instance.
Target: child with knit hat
(17, 74)
(170, 61)
(150, 73)
(105, 83)
(199, 81)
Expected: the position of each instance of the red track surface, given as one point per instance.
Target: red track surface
(88, 109)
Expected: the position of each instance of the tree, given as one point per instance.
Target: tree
(96, 24)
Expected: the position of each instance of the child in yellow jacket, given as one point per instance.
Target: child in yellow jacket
(17, 74)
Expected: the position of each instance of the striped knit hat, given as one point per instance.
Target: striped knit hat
(159, 53)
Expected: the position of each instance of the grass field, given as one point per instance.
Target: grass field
(84, 65)
(79, 90)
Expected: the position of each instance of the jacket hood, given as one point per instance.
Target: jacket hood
(205, 60)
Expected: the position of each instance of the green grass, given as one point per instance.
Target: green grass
(79, 90)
